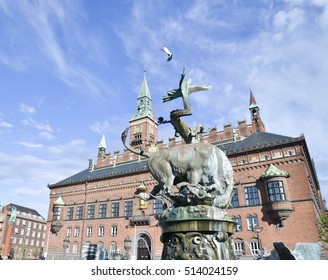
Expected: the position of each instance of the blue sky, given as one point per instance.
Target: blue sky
(71, 70)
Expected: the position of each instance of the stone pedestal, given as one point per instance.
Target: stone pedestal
(199, 232)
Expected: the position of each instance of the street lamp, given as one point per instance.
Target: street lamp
(65, 245)
(127, 246)
(258, 230)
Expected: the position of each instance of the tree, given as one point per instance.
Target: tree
(323, 223)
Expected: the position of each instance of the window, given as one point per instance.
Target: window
(239, 247)
(102, 210)
(57, 212)
(254, 246)
(234, 199)
(252, 222)
(91, 211)
(89, 231)
(238, 226)
(70, 211)
(79, 212)
(115, 209)
(128, 208)
(69, 232)
(101, 231)
(252, 195)
(113, 231)
(68, 247)
(157, 206)
(113, 248)
(76, 231)
(276, 191)
(75, 247)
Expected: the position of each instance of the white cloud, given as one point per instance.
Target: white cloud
(101, 127)
(290, 19)
(27, 109)
(30, 145)
(76, 146)
(5, 124)
(46, 135)
(54, 30)
(37, 124)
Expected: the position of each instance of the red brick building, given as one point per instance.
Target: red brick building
(25, 237)
(276, 191)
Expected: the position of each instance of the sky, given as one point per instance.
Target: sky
(70, 71)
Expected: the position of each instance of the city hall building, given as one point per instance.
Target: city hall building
(276, 194)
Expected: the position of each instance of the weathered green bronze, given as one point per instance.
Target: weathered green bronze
(196, 181)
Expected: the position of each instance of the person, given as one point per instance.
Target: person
(0, 257)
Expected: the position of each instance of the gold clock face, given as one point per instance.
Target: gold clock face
(137, 129)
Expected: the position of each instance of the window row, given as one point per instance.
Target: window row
(254, 247)
(275, 192)
(252, 222)
(30, 224)
(27, 242)
(75, 247)
(90, 231)
(77, 212)
(28, 232)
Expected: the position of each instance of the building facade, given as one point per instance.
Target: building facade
(22, 237)
(276, 194)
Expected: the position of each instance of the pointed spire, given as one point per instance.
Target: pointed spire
(144, 89)
(102, 144)
(252, 101)
(144, 101)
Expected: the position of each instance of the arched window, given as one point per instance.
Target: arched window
(75, 248)
(252, 222)
(254, 246)
(113, 247)
(239, 247)
(238, 226)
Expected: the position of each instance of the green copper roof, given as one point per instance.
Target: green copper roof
(59, 201)
(144, 89)
(273, 171)
(144, 106)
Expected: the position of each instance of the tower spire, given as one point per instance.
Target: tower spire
(143, 127)
(144, 101)
(102, 146)
(255, 112)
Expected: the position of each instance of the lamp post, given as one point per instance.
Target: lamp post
(65, 245)
(127, 246)
(258, 230)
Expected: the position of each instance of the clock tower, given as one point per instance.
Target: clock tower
(143, 127)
